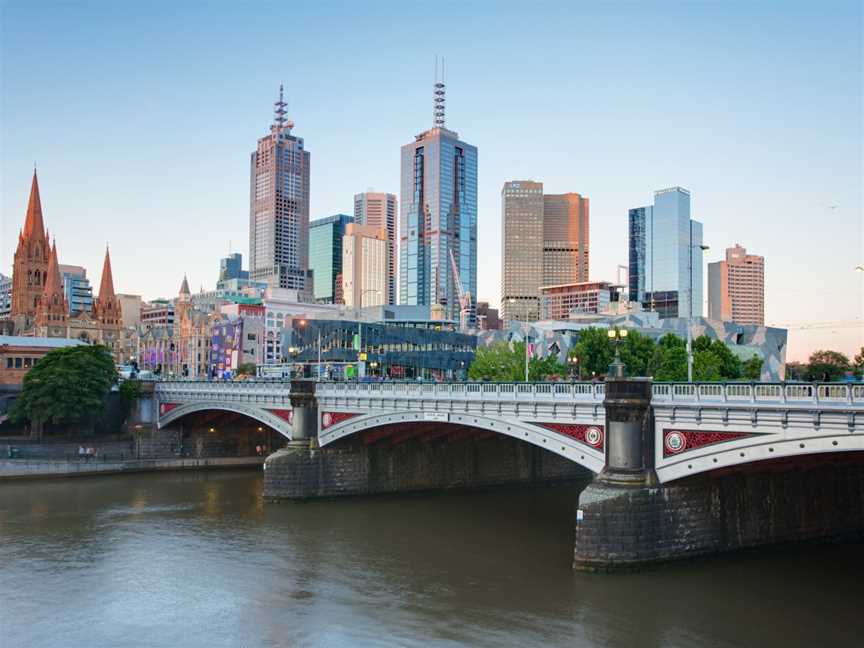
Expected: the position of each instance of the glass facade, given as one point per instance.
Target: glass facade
(438, 215)
(231, 267)
(398, 350)
(77, 289)
(325, 255)
(665, 250)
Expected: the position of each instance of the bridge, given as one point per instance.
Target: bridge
(680, 469)
(697, 427)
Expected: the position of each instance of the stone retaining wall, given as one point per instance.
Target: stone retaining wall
(628, 527)
(19, 469)
(351, 468)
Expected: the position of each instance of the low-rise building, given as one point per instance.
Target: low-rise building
(19, 353)
(562, 301)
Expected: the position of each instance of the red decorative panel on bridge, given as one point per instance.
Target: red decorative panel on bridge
(677, 441)
(329, 419)
(590, 435)
(284, 414)
(164, 408)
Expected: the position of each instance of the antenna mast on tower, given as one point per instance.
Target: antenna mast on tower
(438, 96)
(279, 111)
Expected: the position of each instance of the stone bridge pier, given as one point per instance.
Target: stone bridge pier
(627, 518)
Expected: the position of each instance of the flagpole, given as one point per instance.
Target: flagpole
(527, 343)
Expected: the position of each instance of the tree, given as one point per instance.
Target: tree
(246, 368)
(859, 362)
(594, 350)
(66, 386)
(670, 359)
(707, 366)
(499, 363)
(827, 365)
(637, 351)
(752, 368)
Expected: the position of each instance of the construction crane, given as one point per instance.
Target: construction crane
(464, 296)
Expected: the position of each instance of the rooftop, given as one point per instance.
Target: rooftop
(27, 341)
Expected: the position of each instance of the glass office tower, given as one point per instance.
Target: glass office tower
(438, 217)
(325, 255)
(664, 243)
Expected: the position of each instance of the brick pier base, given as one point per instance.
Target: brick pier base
(630, 527)
(352, 468)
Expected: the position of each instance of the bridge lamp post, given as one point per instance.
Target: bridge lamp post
(690, 300)
(573, 363)
(616, 369)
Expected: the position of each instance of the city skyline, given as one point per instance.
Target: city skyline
(781, 139)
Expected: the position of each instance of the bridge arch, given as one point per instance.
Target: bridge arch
(267, 417)
(559, 438)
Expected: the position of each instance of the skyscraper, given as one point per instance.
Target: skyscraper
(379, 210)
(666, 255)
(544, 243)
(231, 267)
(364, 265)
(438, 216)
(279, 207)
(76, 288)
(325, 255)
(736, 288)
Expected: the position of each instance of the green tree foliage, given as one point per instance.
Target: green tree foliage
(501, 363)
(594, 350)
(859, 362)
(66, 386)
(752, 368)
(670, 359)
(827, 365)
(130, 391)
(246, 368)
(498, 363)
(637, 352)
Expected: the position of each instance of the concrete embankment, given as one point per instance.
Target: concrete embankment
(34, 468)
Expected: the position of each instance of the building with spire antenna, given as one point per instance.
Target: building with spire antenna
(438, 215)
(279, 207)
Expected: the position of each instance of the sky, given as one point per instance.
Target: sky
(141, 118)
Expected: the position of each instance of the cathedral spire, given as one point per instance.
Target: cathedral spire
(52, 307)
(33, 225)
(106, 287)
(184, 288)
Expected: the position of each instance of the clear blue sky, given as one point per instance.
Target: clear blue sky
(142, 116)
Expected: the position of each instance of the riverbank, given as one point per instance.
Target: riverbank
(41, 468)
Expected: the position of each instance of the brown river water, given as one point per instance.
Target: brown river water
(198, 559)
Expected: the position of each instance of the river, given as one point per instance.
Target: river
(197, 559)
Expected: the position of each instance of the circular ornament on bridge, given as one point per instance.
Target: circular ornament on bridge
(594, 436)
(326, 420)
(675, 442)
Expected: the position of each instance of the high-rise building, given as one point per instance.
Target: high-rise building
(279, 207)
(544, 242)
(5, 296)
(666, 256)
(325, 255)
(736, 288)
(364, 265)
(76, 288)
(379, 210)
(579, 298)
(231, 267)
(438, 217)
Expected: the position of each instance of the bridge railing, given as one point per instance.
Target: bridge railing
(465, 390)
(816, 394)
(249, 391)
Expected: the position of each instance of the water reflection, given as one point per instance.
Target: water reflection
(197, 559)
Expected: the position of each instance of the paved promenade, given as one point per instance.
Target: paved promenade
(39, 468)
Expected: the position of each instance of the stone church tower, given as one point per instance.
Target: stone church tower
(106, 309)
(52, 310)
(30, 266)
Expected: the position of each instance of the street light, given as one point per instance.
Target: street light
(616, 369)
(360, 325)
(690, 299)
(573, 362)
